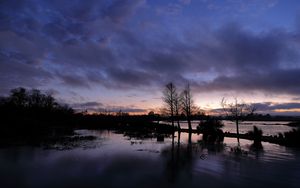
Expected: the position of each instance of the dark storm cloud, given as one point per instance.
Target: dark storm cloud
(90, 43)
(74, 80)
(269, 106)
(296, 98)
(55, 31)
(129, 76)
(122, 9)
(277, 81)
(247, 51)
(291, 108)
(100, 107)
(173, 61)
(252, 61)
(21, 75)
(86, 105)
(59, 33)
(18, 69)
(234, 49)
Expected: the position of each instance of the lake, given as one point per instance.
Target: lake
(268, 127)
(115, 160)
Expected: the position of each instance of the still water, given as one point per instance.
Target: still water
(268, 127)
(115, 160)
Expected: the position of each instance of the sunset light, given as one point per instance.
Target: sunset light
(149, 93)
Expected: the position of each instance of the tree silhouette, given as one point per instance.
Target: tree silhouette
(177, 100)
(256, 134)
(18, 97)
(31, 103)
(187, 105)
(237, 111)
(211, 130)
(169, 95)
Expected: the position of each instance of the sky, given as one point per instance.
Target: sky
(119, 54)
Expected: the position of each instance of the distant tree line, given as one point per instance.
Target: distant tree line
(31, 106)
(34, 109)
(34, 99)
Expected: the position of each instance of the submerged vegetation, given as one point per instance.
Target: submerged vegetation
(211, 130)
(256, 135)
(294, 124)
(291, 138)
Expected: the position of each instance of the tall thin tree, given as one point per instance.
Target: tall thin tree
(169, 94)
(177, 100)
(187, 104)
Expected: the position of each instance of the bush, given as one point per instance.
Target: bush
(256, 135)
(211, 129)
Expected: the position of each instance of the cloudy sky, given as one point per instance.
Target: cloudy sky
(119, 54)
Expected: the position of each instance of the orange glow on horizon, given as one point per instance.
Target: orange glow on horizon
(288, 110)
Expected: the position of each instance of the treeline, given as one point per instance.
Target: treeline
(34, 117)
(34, 110)
(31, 107)
(31, 117)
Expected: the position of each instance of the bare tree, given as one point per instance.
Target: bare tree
(177, 100)
(169, 95)
(187, 104)
(237, 111)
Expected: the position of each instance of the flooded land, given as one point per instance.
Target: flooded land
(114, 159)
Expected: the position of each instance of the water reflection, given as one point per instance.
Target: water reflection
(182, 158)
(179, 160)
(268, 127)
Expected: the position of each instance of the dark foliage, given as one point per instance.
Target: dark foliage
(32, 108)
(32, 117)
(292, 138)
(294, 124)
(211, 129)
(256, 135)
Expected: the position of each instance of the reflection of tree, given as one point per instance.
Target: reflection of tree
(179, 160)
(181, 157)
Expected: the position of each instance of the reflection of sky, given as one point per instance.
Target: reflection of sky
(116, 161)
(268, 127)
